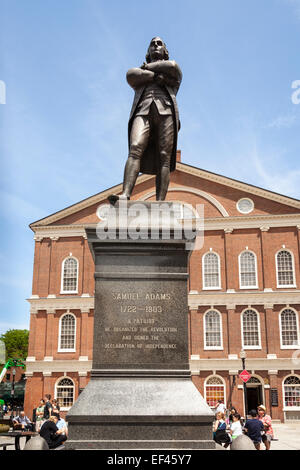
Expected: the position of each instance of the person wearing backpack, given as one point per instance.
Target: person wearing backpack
(220, 435)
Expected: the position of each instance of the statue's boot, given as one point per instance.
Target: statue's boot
(113, 198)
(131, 172)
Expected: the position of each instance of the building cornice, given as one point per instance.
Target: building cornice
(227, 224)
(253, 364)
(195, 300)
(58, 366)
(232, 299)
(61, 303)
(252, 221)
(218, 364)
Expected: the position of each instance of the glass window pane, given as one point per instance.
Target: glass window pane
(285, 272)
(292, 391)
(70, 275)
(289, 330)
(250, 328)
(248, 269)
(212, 329)
(211, 270)
(67, 332)
(214, 391)
(65, 393)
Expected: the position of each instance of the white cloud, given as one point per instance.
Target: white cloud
(296, 6)
(281, 121)
(273, 176)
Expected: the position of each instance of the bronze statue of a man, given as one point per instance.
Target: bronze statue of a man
(154, 120)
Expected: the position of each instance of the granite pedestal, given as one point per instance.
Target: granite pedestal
(141, 395)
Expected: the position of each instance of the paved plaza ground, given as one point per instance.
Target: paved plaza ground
(288, 436)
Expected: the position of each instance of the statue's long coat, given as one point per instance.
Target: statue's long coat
(150, 158)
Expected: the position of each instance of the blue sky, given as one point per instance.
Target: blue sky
(63, 131)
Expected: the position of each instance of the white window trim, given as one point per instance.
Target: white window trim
(293, 266)
(219, 287)
(290, 408)
(285, 407)
(59, 349)
(64, 408)
(62, 291)
(213, 348)
(259, 331)
(191, 208)
(205, 384)
(240, 272)
(293, 346)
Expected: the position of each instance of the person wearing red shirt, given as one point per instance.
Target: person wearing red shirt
(267, 422)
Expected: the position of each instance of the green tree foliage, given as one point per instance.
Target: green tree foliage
(16, 343)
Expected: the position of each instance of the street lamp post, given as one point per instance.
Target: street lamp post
(243, 357)
(13, 389)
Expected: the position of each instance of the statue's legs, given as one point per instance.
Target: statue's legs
(139, 137)
(162, 126)
(165, 140)
(162, 183)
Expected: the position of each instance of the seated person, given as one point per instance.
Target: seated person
(254, 429)
(52, 435)
(61, 424)
(22, 422)
(220, 435)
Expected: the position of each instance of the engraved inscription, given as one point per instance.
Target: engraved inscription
(144, 332)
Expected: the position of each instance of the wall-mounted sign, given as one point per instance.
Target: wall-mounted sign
(274, 397)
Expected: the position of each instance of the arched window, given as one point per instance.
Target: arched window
(67, 333)
(254, 381)
(248, 271)
(250, 330)
(289, 330)
(291, 390)
(212, 330)
(69, 282)
(211, 271)
(64, 392)
(214, 390)
(285, 269)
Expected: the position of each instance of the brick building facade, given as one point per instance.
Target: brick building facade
(244, 293)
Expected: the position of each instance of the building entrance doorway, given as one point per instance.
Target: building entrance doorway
(254, 394)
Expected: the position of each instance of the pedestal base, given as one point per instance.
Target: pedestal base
(140, 395)
(140, 414)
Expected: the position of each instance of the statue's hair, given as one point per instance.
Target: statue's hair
(166, 53)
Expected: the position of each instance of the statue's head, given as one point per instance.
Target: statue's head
(157, 50)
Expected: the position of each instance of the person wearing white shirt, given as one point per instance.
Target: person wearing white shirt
(236, 427)
(221, 408)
